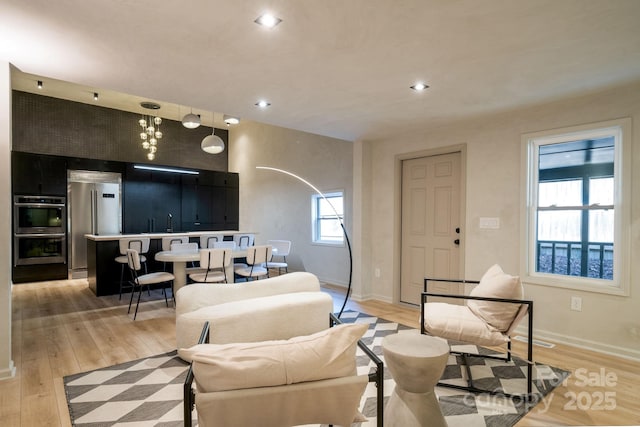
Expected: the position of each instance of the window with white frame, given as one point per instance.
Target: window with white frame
(575, 212)
(328, 214)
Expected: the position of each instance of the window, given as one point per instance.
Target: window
(328, 212)
(575, 211)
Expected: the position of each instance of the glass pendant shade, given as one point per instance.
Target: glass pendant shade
(150, 133)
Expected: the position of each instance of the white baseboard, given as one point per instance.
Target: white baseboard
(623, 352)
(9, 372)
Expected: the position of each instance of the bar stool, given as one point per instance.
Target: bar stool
(207, 240)
(167, 241)
(141, 245)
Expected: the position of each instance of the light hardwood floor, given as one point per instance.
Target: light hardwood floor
(60, 328)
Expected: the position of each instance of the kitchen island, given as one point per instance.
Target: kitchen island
(103, 272)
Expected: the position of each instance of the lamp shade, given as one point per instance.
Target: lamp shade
(212, 144)
(191, 121)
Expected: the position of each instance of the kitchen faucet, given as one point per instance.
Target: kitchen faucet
(169, 223)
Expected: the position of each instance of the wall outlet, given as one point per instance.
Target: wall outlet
(576, 303)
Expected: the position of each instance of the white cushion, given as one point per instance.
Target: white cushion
(326, 354)
(248, 271)
(457, 322)
(158, 277)
(210, 277)
(496, 284)
(255, 319)
(122, 259)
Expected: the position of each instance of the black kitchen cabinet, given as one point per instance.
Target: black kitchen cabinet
(149, 197)
(147, 206)
(205, 201)
(36, 174)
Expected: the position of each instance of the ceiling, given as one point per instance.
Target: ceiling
(340, 68)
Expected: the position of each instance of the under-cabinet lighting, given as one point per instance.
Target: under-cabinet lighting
(161, 169)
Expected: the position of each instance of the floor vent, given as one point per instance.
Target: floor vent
(535, 342)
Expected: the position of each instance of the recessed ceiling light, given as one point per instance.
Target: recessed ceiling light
(267, 20)
(419, 87)
(263, 104)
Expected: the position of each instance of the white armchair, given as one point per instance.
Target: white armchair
(302, 380)
(490, 316)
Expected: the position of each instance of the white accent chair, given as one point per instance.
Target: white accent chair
(141, 245)
(214, 262)
(139, 282)
(493, 310)
(257, 256)
(281, 249)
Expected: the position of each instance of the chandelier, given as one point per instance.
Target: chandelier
(150, 132)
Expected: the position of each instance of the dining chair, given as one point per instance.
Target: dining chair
(214, 262)
(140, 281)
(256, 257)
(141, 245)
(281, 249)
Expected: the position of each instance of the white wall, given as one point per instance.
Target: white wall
(493, 184)
(7, 369)
(278, 206)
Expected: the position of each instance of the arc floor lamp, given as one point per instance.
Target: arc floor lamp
(344, 230)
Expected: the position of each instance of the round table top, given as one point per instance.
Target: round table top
(415, 344)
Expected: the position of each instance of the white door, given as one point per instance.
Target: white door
(430, 224)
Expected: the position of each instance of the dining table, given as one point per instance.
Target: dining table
(179, 259)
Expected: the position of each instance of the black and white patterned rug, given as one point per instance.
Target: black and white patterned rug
(148, 392)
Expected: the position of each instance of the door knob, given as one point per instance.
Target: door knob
(458, 230)
(457, 241)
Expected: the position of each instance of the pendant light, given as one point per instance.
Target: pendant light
(191, 121)
(212, 144)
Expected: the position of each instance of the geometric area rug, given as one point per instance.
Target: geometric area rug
(148, 392)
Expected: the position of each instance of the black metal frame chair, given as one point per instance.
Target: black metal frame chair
(146, 280)
(507, 358)
(376, 377)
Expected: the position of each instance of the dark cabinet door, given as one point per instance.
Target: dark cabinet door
(147, 206)
(232, 199)
(35, 174)
(196, 207)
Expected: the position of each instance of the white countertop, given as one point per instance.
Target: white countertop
(111, 237)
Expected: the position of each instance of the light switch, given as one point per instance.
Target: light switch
(493, 223)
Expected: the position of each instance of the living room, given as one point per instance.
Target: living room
(368, 170)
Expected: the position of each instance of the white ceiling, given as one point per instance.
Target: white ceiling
(340, 68)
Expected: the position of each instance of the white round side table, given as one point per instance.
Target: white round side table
(416, 363)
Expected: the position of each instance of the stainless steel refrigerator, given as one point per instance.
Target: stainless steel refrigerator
(95, 207)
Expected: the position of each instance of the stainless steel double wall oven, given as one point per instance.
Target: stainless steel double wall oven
(39, 230)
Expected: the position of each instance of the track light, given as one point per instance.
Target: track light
(95, 96)
(231, 120)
